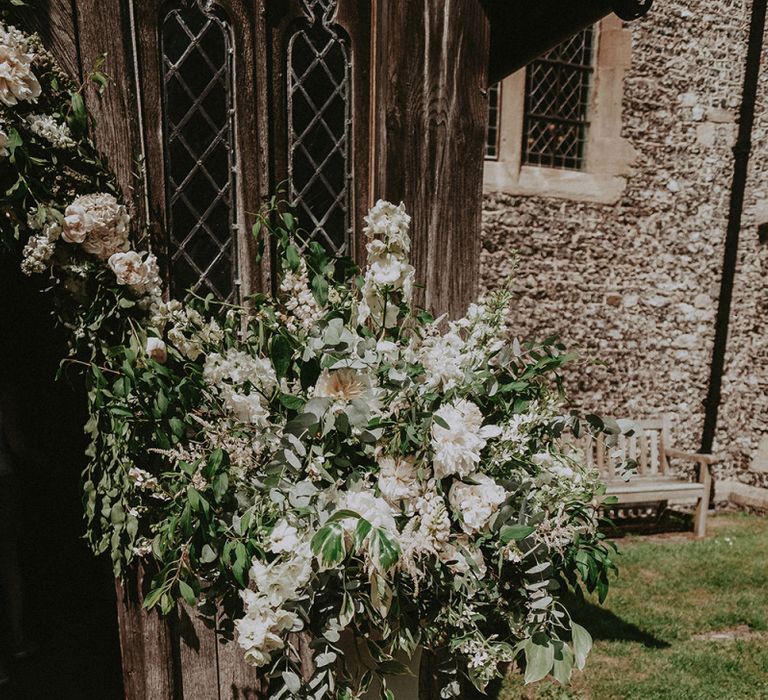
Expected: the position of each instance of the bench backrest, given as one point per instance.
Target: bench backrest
(646, 446)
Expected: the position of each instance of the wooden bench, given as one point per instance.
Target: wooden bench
(650, 447)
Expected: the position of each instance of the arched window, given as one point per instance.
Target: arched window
(199, 151)
(319, 125)
(238, 98)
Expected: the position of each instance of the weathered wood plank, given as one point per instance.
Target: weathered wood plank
(431, 77)
(104, 28)
(146, 643)
(54, 21)
(198, 656)
(238, 680)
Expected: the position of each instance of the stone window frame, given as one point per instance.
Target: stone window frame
(608, 157)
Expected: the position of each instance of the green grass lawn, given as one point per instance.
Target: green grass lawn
(685, 620)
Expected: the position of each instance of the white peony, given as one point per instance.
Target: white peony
(155, 349)
(283, 538)
(398, 479)
(346, 384)
(457, 448)
(17, 80)
(98, 223)
(474, 504)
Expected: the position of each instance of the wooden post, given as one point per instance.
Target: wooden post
(430, 113)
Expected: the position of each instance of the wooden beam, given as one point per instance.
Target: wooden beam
(431, 63)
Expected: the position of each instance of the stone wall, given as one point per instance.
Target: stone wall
(635, 284)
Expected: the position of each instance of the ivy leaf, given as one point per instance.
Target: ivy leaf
(328, 545)
(384, 550)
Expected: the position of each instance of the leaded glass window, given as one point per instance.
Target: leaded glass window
(557, 95)
(199, 151)
(494, 122)
(319, 122)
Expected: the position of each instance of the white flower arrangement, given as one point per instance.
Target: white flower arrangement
(327, 462)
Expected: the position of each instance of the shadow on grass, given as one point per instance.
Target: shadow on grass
(605, 625)
(657, 520)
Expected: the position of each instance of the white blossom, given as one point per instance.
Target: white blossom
(17, 80)
(475, 503)
(155, 349)
(303, 310)
(37, 254)
(46, 126)
(138, 271)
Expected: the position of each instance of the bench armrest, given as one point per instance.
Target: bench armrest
(691, 456)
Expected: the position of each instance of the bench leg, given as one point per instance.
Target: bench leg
(700, 517)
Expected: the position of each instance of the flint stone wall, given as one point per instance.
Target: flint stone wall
(635, 284)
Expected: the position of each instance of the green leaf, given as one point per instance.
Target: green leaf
(515, 532)
(582, 644)
(291, 402)
(78, 117)
(281, 355)
(208, 554)
(539, 659)
(328, 545)
(320, 289)
(292, 257)
(187, 593)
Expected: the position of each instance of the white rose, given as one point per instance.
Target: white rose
(128, 267)
(17, 81)
(284, 538)
(156, 350)
(375, 510)
(457, 448)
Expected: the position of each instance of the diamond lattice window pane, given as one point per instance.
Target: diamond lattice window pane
(494, 122)
(199, 152)
(557, 94)
(319, 164)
